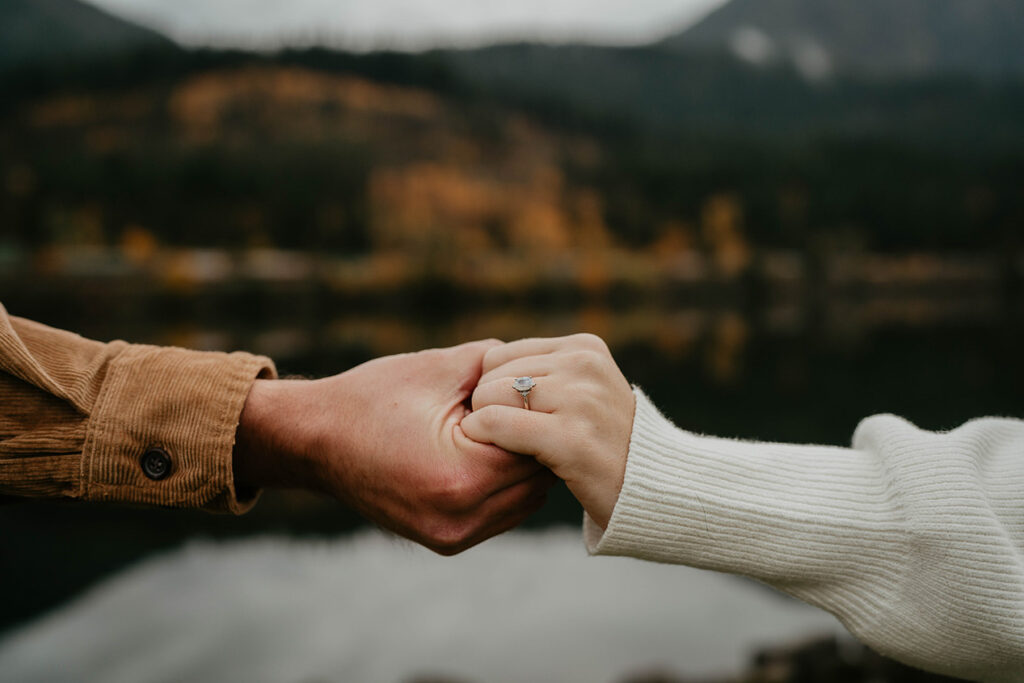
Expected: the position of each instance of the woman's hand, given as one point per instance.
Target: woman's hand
(580, 417)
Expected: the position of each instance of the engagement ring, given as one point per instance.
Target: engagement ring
(524, 385)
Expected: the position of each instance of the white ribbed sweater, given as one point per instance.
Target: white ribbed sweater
(913, 539)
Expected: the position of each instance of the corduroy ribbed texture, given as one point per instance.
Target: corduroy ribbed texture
(913, 539)
(77, 415)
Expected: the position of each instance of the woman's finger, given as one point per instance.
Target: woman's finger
(500, 392)
(534, 366)
(514, 429)
(499, 355)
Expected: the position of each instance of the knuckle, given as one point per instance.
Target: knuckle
(590, 341)
(456, 492)
(448, 537)
(587, 361)
(477, 400)
(489, 417)
(491, 356)
(445, 551)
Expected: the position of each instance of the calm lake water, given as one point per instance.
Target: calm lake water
(773, 370)
(526, 607)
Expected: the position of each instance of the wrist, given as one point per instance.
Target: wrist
(271, 445)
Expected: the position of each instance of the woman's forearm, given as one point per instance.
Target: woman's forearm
(913, 539)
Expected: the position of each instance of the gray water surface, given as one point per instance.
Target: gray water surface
(526, 606)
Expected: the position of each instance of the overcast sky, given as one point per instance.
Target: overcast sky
(412, 24)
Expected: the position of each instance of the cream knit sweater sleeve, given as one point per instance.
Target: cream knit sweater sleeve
(913, 539)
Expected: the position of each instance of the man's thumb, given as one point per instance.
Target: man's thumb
(464, 363)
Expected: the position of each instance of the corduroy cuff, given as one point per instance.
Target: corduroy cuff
(163, 428)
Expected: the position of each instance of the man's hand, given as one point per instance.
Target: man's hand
(385, 438)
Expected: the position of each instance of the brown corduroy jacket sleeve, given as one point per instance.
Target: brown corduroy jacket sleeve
(77, 418)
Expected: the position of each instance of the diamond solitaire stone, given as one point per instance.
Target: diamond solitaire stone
(523, 383)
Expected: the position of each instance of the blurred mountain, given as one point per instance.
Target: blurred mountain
(535, 148)
(51, 30)
(661, 90)
(877, 37)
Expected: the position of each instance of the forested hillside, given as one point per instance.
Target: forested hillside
(320, 150)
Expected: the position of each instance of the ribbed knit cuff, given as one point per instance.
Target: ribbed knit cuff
(183, 406)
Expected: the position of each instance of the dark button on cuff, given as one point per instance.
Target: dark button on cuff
(156, 463)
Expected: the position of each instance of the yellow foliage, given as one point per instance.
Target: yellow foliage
(596, 320)
(594, 273)
(138, 245)
(728, 340)
(301, 100)
(591, 230)
(69, 110)
(722, 228)
(674, 238)
(82, 110)
(430, 204)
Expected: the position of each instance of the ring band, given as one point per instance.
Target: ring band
(524, 385)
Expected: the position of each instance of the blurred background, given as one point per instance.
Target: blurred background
(782, 215)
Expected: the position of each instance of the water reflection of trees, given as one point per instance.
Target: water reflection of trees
(716, 337)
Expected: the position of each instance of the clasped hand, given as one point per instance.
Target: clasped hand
(437, 446)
